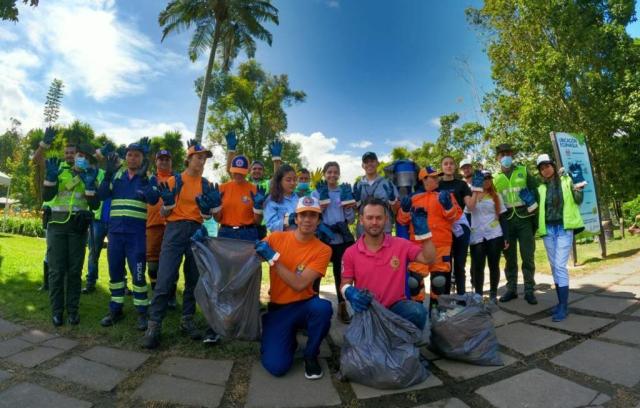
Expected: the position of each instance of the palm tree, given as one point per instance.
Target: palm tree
(235, 23)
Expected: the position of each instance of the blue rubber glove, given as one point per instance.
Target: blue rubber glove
(266, 252)
(52, 166)
(360, 300)
(391, 194)
(112, 166)
(89, 177)
(49, 136)
(323, 192)
(215, 197)
(167, 194)
(107, 149)
(445, 199)
(346, 194)
(420, 222)
(232, 141)
(357, 193)
(142, 171)
(477, 181)
(200, 235)
(205, 204)
(258, 199)
(145, 143)
(121, 151)
(406, 204)
(575, 172)
(324, 233)
(529, 199)
(276, 150)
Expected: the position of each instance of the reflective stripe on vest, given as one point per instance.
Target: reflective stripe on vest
(128, 208)
(509, 188)
(571, 218)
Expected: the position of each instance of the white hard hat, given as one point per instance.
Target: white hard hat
(543, 159)
(465, 162)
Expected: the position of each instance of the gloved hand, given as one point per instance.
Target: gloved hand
(49, 136)
(215, 197)
(106, 150)
(477, 181)
(258, 199)
(420, 222)
(359, 299)
(529, 199)
(357, 193)
(232, 141)
(112, 166)
(445, 199)
(575, 172)
(145, 143)
(324, 233)
(168, 195)
(346, 194)
(204, 201)
(323, 192)
(89, 177)
(276, 150)
(122, 151)
(391, 194)
(52, 166)
(266, 252)
(200, 235)
(290, 220)
(405, 203)
(142, 171)
(153, 182)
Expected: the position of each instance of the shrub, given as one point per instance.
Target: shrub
(29, 224)
(630, 210)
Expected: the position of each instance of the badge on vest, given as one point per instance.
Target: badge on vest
(245, 199)
(299, 269)
(395, 262)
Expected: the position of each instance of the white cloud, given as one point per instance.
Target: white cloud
(435, 122)
(363, 144)
(8, 36)
(128, 130)
(409, 144)
(15, 83)
(317, 149)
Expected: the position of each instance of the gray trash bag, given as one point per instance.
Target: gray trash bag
(228, 291)
(462, 329)
(379, 350)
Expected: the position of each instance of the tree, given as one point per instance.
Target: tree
(566, 66)
(9, 10)
(52, 104)
(236, 22)
(9, 142)
(252, 104)
(171, 141)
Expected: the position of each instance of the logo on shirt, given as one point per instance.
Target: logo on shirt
(300, 269)
(395, 262)
(245, 199)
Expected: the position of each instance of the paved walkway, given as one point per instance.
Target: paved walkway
(590, 360)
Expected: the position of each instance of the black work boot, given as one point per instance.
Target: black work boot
(189, 327)
(508, 296)
(151, 339)
(111, 319)
(142, 322)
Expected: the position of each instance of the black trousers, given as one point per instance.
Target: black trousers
(489, 251)
(459, 251)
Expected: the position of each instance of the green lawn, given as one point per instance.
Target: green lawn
(21, 275)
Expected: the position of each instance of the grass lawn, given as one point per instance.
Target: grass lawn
(21, 275)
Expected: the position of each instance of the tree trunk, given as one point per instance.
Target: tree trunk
(204, 97)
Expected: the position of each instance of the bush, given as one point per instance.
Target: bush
(630, 210)
(25, 224)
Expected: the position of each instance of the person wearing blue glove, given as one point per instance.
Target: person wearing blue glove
(296, 259)
(375, 267)
(559, 220)
(130, 192)
(575, 172)
(372, 184)
(337, 214)
(70, 193)
(522, 223)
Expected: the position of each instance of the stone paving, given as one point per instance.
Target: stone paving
(592, 359)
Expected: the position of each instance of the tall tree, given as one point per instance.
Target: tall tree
(9, 10)
(54, 99)
(9, 142)
(252, 104)
(565, 66)
(236, 22)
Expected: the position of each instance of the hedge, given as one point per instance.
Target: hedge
(29, 226)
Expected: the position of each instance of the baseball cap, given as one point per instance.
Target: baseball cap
(240, 165)
(369, 156)
(504, 147)
(543, 159)
(308, 204)
(465, 162)
(198, 148)
(163, 153)
(429, 172)
(487, 174)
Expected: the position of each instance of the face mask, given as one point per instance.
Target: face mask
(303, 186)
(81, 163)
(506, 161)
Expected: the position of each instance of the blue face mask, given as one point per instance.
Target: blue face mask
(303, 186)
(81, 163)
(506, 161)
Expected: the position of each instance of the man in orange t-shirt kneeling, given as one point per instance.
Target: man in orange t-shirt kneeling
(297, 258)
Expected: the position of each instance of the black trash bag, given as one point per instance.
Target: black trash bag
(462, 329)
(379, 350)
(228, 291)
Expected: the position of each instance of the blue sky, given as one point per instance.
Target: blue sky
(377, 74)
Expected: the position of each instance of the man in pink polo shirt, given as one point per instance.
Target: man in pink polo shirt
(378, 263)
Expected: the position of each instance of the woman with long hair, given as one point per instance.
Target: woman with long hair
(280, 207)
(488, 236)
(337, 203)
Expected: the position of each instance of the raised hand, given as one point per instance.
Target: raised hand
(145, 144)
(324, 233)
(575, 172)
(49, 136)
(112, 166)
(167, 194)
(89, 177)
(444, 197)
(477, 181)
(357, 193)
(405, 203)
(258, 199)
(346, 194)
(323, 192)
(276, 150)
(52, 167)
(215, 197)
(107, 149)
(419, 220)
(232, 141)
(391, 194)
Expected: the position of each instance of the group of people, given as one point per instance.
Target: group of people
(151, 220)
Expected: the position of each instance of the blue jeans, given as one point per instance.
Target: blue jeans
(97, 234)
(279, 329)
(558, 243)
(412, 311)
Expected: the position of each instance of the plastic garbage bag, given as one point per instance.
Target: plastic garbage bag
(379, 350)
(228, 291)
(462, 329)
